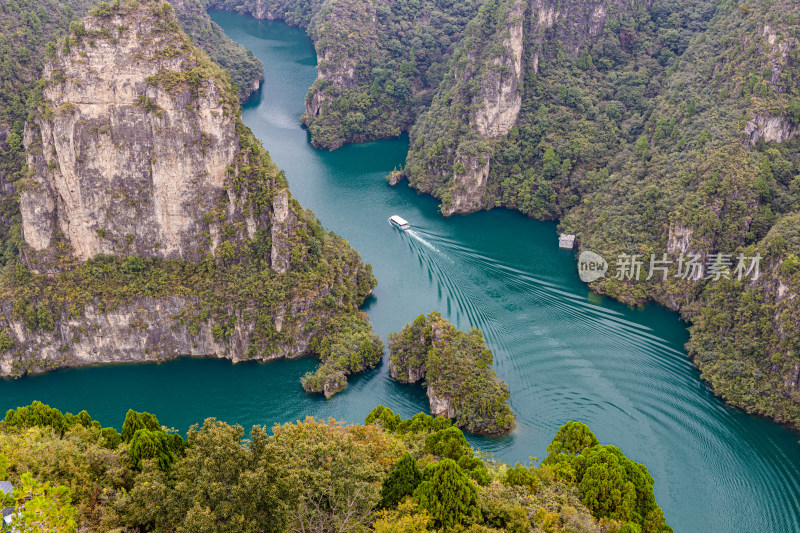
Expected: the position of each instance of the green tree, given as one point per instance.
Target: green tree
(642, 147)
(448, 495)
(616, 487)
(36, 414)
(383, 416)
(6, 342)
(149, 444)
(793, 112)
(219, 485)
(134, 421)
(607, 490)
(572, 438)
(551, 164)
(449, 443)
(401, 482)
(111, 438)
(44, 508)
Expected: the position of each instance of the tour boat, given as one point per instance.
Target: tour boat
(398, 222)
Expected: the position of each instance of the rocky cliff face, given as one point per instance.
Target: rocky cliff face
(245, 70)
(120, 164)
(451, 157)
(500, 96)
(155, 225)
(379, 63)
(340, 62)
(769, 128)
(496, 106)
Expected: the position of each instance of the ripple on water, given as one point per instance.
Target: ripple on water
(566, 354)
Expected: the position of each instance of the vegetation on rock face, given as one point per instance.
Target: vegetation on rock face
(456, 368)
(719, 168)
(386, 475)
(28, 29)
(29, 33)
(351, 347)
(374, 83)
(245, 69)
(745, 339)
(379, 63)
(646, 127)
(262, 294)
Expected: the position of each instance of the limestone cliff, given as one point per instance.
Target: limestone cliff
(245, 69)
(479, 101)
(124, 164)
(154, 223)
(379, 63)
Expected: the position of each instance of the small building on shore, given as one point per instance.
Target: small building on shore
(566, 241)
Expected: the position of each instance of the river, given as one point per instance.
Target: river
(566, 354)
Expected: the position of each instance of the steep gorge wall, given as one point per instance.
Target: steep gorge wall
(379, 63)
(154, 223)
(120, 164)
(478, 103)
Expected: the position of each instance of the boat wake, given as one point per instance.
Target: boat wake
(414, 235)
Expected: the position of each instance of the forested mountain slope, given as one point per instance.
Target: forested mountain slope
(155, 225)
(379, 62)
(657, 130)
(646, 127)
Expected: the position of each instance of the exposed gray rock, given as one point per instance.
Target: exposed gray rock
(120, 165)
(770, 128)
(143, 330)
(440, 405)
(137, 151)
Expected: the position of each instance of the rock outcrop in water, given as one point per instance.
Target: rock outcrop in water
(154, 223)
(456, 369)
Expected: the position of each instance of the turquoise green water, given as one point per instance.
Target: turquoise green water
(565, 353)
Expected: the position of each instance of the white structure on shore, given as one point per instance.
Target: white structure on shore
(566, 241)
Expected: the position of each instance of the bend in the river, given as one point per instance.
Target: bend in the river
(566, 354)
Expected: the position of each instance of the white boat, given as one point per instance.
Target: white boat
(399, 222)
